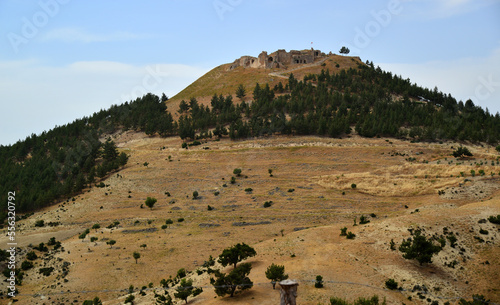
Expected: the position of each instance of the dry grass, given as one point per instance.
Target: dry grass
(309, 165)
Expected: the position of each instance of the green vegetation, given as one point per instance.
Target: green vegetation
(195, 195)
(494, 219)
(236, 279)
(350, 235)
(235, 254)
(150, 202)
(276, 273)
(111, 243)
(62, 162)
(185, 290)
(391, 284)
(476, 300)
(419, 247)
(237, 172)
(136, 256)
(319, 282)
(363, 220)
(461, 152)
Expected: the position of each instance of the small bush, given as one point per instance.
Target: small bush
(40, 223)
(237, 172)
(350, 235)
(291, 190)
(180, 219)
(248, 190)
(495, 220)
(319, 282)
(26, 265)
(353, 186)
(46, 271)
(343, 231)
(484, 232)
(391, 284)
(181, 273)
(268, 204)
(393, 245)
(363, 220)
(31, 256)
(195, 195)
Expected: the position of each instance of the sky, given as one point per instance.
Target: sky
(61, 60)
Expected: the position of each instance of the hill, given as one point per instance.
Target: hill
(300, 229)
(321, 140)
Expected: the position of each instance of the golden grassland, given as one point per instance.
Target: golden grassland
(312, 199)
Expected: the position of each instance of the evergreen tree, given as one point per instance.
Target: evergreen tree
(237, 279)
(276, 273)
(235, 254)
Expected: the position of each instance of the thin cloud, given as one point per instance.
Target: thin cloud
(80, 35)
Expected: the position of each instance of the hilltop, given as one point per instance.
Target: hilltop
(321, 140)
(226, 78)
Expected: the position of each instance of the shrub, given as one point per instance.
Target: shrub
(419, 247)
(353, 186)
(237, 172)
(248, 190)
(393, 245)
(46, 271)
(452, 239)
(343, 231)
(319, 282)
(130, 299)
(461, 152)
(476, 300)
(26, 265)
(195, 195)
(150, 202)
(180, 219)
(484, 232)
(350, 235)
(31, 256)
(267, 204)
(291, 190)
(40, 223)
(181, 273)
(495, 220)
(363, 220)
(233, 180)
(391, 284)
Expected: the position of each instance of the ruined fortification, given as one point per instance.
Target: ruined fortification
(279, 59)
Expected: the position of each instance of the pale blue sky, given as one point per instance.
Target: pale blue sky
(65, 59)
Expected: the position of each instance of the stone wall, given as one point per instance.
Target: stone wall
(279, 59)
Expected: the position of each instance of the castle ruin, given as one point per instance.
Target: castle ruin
(279, 59)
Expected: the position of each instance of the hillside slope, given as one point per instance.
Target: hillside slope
(310, 214)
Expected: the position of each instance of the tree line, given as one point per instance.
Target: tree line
(372, 102)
